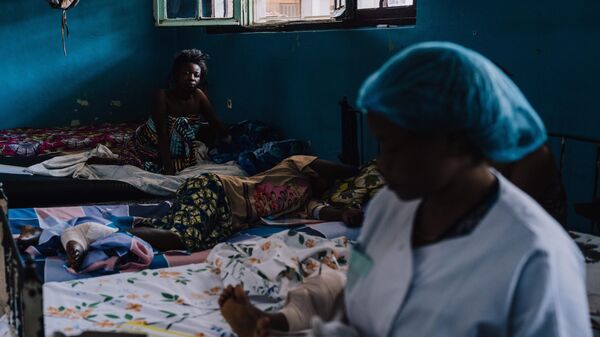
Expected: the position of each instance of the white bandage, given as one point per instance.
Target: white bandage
(317, 296)
(316, 213)
(85, 234)
(331, 329)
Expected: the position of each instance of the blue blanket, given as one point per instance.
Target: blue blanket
(53, 268)
(257, 147)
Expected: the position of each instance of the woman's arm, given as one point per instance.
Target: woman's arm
(331, 171)
(210, 115)
(159, 116)
(320, 210)
(158, 238)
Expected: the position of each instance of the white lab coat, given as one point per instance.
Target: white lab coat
(517, 274)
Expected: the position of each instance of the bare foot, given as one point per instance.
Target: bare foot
(225, 295)
(75, 254)
(242, 316)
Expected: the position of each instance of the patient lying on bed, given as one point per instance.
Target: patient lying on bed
(209, 208)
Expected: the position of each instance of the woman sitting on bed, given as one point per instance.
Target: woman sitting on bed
(209, 208)
(166, 142)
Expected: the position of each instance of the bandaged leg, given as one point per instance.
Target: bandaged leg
(85, 233)
(77, 239)
(317, 296)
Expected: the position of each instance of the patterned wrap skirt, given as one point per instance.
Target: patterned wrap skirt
(201, 213)
(142, 150)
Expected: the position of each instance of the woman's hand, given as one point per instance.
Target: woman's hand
(168, 168)
(353, 217)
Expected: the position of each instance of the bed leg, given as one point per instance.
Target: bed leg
(32, 302)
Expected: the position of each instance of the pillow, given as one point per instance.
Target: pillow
(356, 191)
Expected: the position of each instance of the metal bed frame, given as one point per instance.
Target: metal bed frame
(23, 287)
(563, 139)
(353, 149)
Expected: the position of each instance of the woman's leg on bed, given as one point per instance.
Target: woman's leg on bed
(161, 239)
(199, 218)
(245, 319)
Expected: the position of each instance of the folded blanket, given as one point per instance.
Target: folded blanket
(69, 165)
(74, 165)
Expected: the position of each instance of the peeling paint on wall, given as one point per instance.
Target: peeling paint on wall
(83, 102)
(391, 46)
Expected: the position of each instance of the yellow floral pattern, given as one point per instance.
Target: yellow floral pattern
(184, 299)
(356, 191)
(200, 215)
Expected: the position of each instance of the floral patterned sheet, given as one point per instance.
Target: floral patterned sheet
(182, 300)
(590, 247)
(30, 142)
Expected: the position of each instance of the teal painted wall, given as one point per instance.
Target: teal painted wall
(294, 80)
(114, 54)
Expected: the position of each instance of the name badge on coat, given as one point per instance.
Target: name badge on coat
(360, 263)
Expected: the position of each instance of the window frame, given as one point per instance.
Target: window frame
(403, 15)
(243, 11)
(161, 19)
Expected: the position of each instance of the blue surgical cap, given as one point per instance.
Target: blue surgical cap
(443, 88)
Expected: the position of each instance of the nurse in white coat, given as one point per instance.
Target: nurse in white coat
(451, 248)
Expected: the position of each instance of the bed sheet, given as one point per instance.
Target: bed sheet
(182, 301)
(590, 247)
(38, 141)
(51, 269)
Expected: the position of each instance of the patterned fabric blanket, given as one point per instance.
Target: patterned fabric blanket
(182, 301)
(37, 141)
(116, 252)
(55, 219)
(590, 247)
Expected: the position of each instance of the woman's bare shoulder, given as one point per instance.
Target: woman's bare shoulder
(200, 94)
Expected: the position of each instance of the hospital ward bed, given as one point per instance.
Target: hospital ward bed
(176, 289)
(45, 167)
(23, 147)
(176, 295)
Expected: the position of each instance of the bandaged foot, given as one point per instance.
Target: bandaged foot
(76, 240)
(319, 296)
(245, 319)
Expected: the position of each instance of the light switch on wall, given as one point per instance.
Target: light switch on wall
(229, 103)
